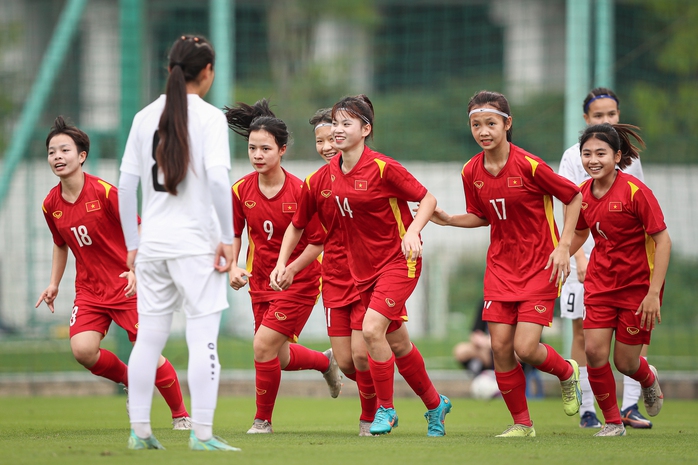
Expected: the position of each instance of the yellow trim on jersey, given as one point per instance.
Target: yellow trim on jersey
(236, 186)
(581, 184)
(633, 189)
(107, 187)
(462, 171)
(550, 217)
(534, 164)
(381, 165)
(43, 208)
(411, 263)
(307, 179)
(250, 253)
(650, 249)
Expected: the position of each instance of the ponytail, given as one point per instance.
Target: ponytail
(243, 119)
(617, 137)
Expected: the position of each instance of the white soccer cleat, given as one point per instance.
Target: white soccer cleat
(333, 376)
(260, 427)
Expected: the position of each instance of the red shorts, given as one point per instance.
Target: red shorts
(388, 295)
(624, 321)
(342, 320)
(91, 317)
(528, 311)
(283, 316)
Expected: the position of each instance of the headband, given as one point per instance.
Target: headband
(597, 97)
(489, 110)
(322, 125)
(349, 110)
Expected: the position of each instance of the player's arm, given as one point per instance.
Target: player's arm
(238, 276)
(58, 264)
(650, 306)
(309, 255)
(223, 206)
(411, 243)
(579, 256)
(465, 220)
(292, 236)
(559, 260)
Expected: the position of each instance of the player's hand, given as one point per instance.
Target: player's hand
(411, 246)
(582, 269)
(48, 296)
(281, 278)
(131, 259)
(440, 217)
(559, 260)
(223, 260)
(650, 311)
(238, 277)
(130, 289)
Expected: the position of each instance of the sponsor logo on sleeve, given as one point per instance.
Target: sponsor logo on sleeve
(92, 206)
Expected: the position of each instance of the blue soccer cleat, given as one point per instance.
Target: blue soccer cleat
(384, 421)
(136, 443)
(435, 418)
(631, 416)
(589, 420)
(215, 443)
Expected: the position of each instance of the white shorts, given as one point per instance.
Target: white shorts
(190, 283)
(572, 300)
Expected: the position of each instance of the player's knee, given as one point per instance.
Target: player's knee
(85, 355)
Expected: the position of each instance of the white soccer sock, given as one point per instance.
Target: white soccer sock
(203, 373)
(153, 332)
(632, 392)
(587, 393)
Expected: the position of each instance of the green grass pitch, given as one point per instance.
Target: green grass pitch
(94, 430)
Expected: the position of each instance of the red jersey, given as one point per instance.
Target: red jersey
(518, 205)
(338, 289)
(267, 220)
(92, 229)
(622, 222)
(373, 214)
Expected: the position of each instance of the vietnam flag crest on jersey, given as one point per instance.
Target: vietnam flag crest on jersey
(93, 206)
(514, 181)
(615, 206)
(289, 207)
(360, 185)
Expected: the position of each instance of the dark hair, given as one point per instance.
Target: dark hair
(188, 56)
(618, 138)
(359, 106)
(597, 93)
(243, 119)
(80, 138)
(493, 99)
(323, 115)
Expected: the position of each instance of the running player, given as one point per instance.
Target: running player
(625, 277)
(178, 151)
(370, 192)
(601, 105)
(511, 190)
(265, 200)
(82, 212)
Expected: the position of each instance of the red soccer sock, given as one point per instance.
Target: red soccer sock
(267, 380)
(512, 385)
(644, 375)
(109, 366)
(167, 383)
(383, 374)
(351, 376)
(556, 365)
(411, 367)
(367, 395)
(604, 386)
(302, 358)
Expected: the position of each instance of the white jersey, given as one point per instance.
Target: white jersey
(185, 224)
(572, 169)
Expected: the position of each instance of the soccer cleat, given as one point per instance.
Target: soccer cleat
(333, 376)
(260, 427)
(589, 420)
(571, 394)
(136, 443)
(384, 422)
(181, 423)
(631, 416)
(611, 429)
(215, 443)
(518, 431)
(364, 428)
(653, 396)
(435, 418)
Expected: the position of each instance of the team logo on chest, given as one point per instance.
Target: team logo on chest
(584, 205)
(92, 206)
(615, 206)
(479, 184)
(514, 181)
(57, 214)
(289, 207)
(250, 203)
(326, 193)
(360, 185)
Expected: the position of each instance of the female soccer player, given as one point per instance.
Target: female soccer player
(370, 192)
(344, 312)
(178, 151)
(511, 190)
(601, 105)
(266, 200)
(82, 212)
(625, 277)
